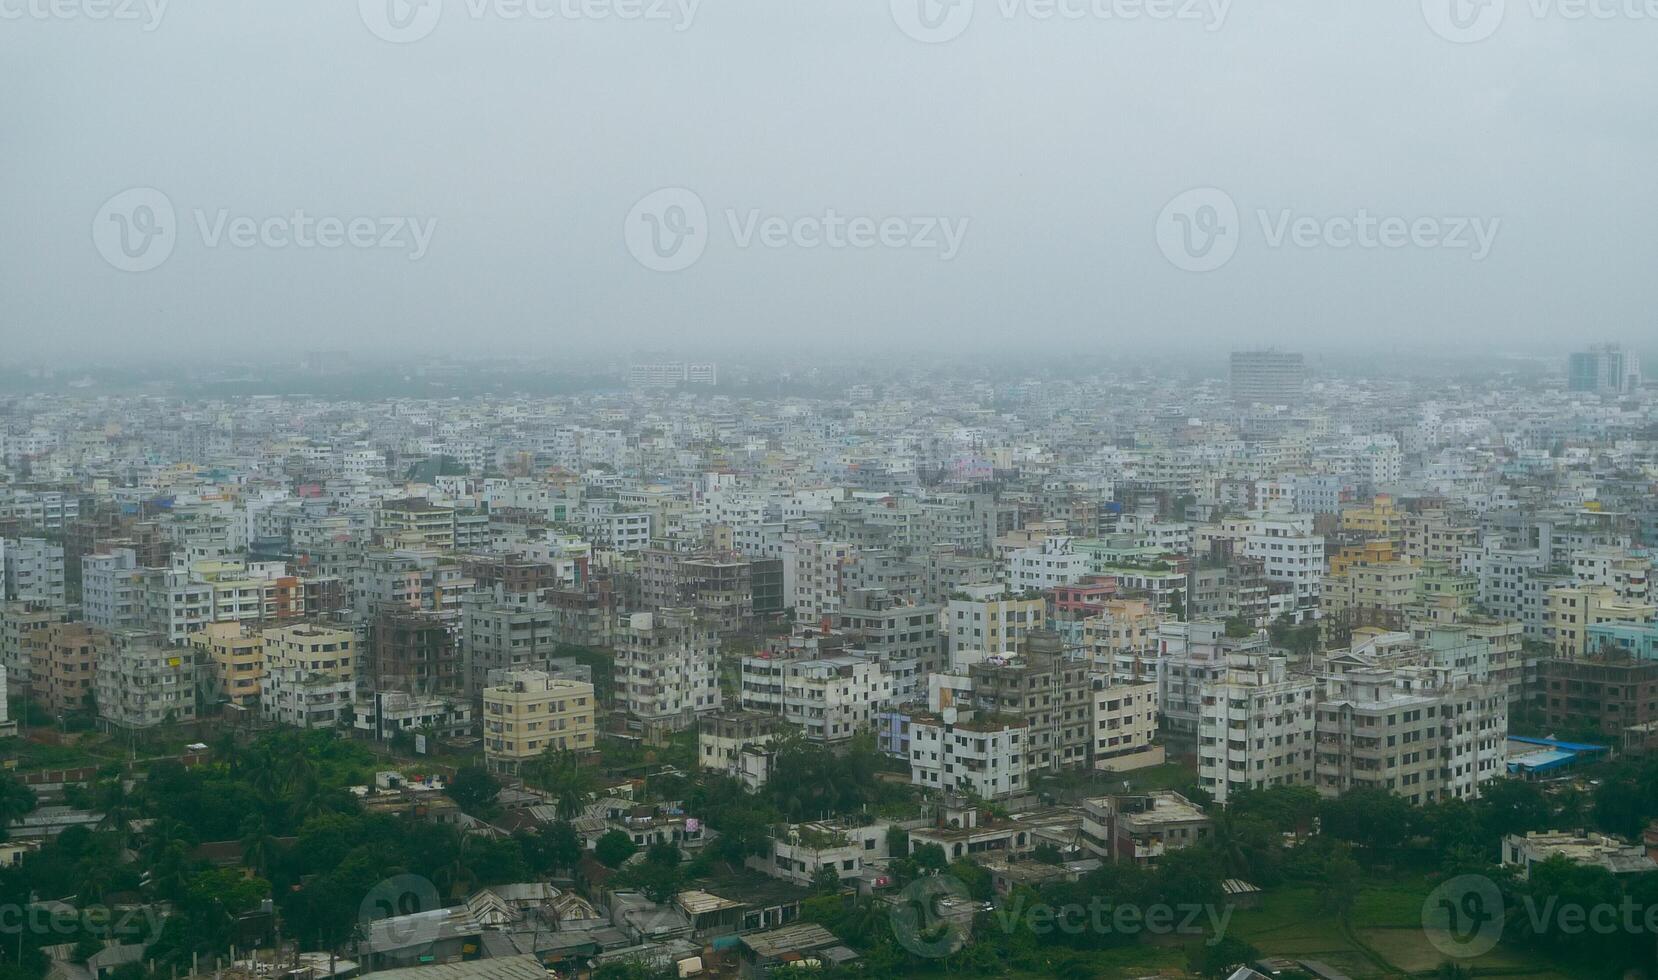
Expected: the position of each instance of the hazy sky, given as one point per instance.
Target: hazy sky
(1011, 178)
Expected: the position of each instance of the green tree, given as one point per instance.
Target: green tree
(16, 802)
(614, 848)
(474, 789)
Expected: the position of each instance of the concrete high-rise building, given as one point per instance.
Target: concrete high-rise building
(1267, 377)
(1605, 369)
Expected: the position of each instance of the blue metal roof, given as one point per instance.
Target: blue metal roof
(1556, 743)
(1539, 761)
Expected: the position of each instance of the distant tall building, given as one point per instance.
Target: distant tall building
(1605, 369)
(1267, 377)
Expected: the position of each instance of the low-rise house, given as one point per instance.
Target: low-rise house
(1142, 828)
(1595, 850)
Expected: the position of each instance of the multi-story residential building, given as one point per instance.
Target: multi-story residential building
(719, 586)
(667, 669)
(31, 569)
(1379, 520)
(310, 676)
(386, 715)
(831, 699)
(415, 522)
(234, 654)
(1053, 697)
(1424, 733)
(1122, 639)
(1379, 595)
(412, 652)
(1609, 693)
(112, 589)
(904, 639)
(986, 618)
(142, 681)
(1044, 567)
(984, 756)
(23, 628)
(1255, 727)
(1434, 536)
(528, 713)
(1142, 828)
(814, 572)
(415, 578)
(1123, 724)
(1191, 656)
(499, 636)
(734, 743)
(1604, 369)
(1574, 610)
(65, 665)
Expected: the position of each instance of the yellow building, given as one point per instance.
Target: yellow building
(1380, 519)
(1370, 594)
(1123, 636)
(236, 655)
(1573, 609)
(1377, 551)
(315, 650)
(530, 712)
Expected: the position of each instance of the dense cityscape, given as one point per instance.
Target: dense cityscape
(1298, 667)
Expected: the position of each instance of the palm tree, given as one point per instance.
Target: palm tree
(118, 808)
(565, 780)
(259, 849)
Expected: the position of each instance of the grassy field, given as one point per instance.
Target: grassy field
(1385, 938)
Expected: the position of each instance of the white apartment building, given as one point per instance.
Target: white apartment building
(1423, 733)
(1123, 716)
(141, 682)
(31, 569)
(985, 618)
(112, 590)
(833, 698)
(1044, 567)
(1255, 727)
(667, 668)
(984, 756)
(814, 576)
